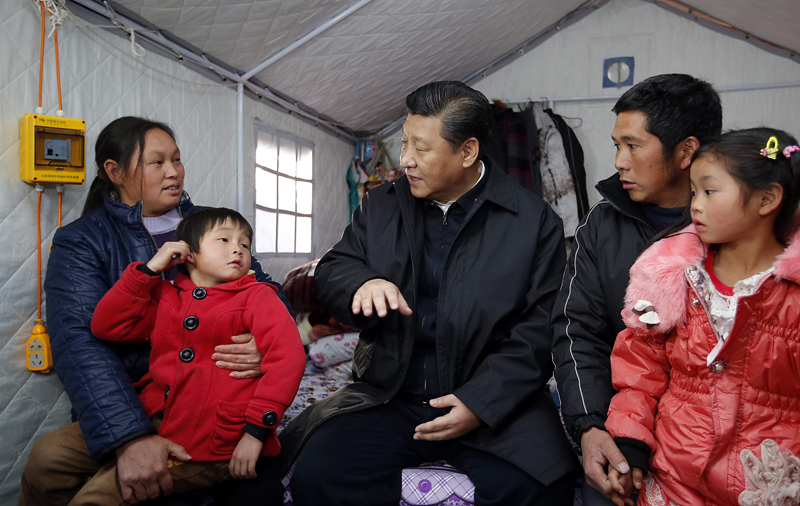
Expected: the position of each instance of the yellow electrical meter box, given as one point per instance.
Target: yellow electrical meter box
(52, 149)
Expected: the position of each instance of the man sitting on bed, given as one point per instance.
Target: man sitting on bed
(450, 273)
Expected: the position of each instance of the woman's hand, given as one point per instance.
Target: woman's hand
(171, 253)
(142, 467)
(243, 462)
(242, 357)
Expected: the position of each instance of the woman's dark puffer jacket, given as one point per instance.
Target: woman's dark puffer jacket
(87, 258)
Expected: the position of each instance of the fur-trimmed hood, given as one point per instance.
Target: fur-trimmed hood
(658, 276)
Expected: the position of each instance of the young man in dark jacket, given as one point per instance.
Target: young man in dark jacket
(451, 273)
(660, 124)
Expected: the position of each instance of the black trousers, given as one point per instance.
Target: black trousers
(357, 459)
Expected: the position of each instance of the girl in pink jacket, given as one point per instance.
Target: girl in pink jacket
(708, 369)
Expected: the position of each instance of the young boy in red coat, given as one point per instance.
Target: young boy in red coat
(225, 424)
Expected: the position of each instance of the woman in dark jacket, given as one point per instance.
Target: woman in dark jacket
(134, 205)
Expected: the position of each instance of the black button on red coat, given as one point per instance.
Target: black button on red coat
(187, 355)
(270, 418)
(199, 293)
(190, 322)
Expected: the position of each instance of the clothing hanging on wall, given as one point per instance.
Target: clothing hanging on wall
(558, 187)
(532, 133)
(514, 146)
(574, 153)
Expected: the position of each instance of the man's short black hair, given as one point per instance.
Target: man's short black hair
(464, 112)
(192, 228)
(677, 106)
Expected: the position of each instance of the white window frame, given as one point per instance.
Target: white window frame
(282, 135)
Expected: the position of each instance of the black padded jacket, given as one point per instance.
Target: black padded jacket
(586, 316)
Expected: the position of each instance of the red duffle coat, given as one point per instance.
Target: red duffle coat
(205, 410)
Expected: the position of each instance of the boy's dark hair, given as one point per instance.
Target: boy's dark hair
(464, 112)
(677, 106)
(192, 228)
(118, 141)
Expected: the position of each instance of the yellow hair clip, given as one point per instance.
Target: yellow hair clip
(771, 151)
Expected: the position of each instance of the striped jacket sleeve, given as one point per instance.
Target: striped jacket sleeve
(583, 339)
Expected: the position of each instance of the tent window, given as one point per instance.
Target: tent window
(284, 183)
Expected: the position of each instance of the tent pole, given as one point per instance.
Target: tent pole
(305, 38)
(240, 148)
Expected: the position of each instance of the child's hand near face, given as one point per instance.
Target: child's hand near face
(243, 462)
(171, 253)
(624, 484)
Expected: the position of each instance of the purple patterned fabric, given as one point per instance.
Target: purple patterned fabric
(435, 484)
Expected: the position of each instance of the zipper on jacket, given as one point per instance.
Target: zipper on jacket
(425, 376)
(472, 212)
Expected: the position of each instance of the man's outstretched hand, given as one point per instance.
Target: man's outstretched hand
(377, 295)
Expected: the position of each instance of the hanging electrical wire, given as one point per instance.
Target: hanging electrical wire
(58, 74)
(60, 190)
(57, 11)
(41, 61)
(38, 352)
(39, 190)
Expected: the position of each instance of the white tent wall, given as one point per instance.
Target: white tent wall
(101, 81)
(570, 64)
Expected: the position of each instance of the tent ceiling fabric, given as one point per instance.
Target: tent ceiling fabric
(242, 33)
(359, 71)
(774, 20)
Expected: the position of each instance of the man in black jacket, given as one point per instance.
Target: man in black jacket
(660, 124)
(451, 273)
